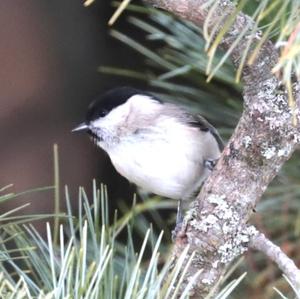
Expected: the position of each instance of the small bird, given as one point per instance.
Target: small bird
(159, 146)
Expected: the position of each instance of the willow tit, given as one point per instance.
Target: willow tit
(160, 147)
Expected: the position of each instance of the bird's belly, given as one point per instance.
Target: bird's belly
(164, 168)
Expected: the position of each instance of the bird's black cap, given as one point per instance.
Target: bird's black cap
(103, 104)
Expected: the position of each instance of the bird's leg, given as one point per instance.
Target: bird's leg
(210, 164)
(179, 216)
(179, 220)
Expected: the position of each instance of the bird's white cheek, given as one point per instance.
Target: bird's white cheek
(111, 127)
(109, 139)
(108, 135)
(117, 116)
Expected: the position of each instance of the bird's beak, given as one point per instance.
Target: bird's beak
(81, 127)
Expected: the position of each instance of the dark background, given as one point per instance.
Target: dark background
(50, 52)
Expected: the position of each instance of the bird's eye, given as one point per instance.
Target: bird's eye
(103, 113)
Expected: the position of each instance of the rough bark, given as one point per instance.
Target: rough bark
(264, 139)
(287, 266)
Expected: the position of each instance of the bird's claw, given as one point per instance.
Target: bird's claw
(179, 228)
(210, 164)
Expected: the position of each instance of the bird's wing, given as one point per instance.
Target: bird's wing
(200, 122)
(196, 121)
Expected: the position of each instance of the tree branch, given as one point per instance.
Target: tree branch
(286, 265)
(264, 139)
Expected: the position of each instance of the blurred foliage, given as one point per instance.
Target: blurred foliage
(278, 20)
(176, 60)
(176, 64)
(90, 261)
(13, 216)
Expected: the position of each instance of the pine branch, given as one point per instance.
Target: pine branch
(273, 252)
(216, 227)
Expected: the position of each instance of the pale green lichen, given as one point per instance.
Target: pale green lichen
(236, 245)
(285, 152)
(204, 225)
(269, 152)
(247, 141)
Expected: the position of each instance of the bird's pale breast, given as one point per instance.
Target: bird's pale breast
(165, 160)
